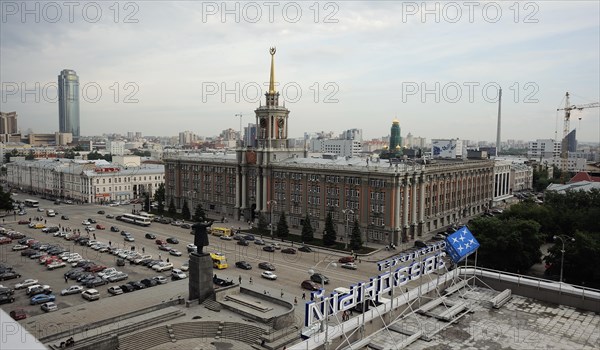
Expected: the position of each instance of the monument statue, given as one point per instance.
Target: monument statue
(201, 234)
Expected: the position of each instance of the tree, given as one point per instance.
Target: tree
(172, 210)
(263, 226)
(199, 214)
(6, 201)
(30, 155)
(308, 234)
(507, 245)
(159, 197)
(282, 226)
(581, 259)
(329, 235)
(185, 211)
(356, 237)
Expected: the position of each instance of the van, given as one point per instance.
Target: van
(50, 213)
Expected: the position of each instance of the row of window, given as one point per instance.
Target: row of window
(135, 179)
(378, 196)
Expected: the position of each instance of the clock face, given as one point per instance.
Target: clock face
(280, 122)
(263, 122)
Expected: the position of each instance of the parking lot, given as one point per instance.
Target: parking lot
(31, 268)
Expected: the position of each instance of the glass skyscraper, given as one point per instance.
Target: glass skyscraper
(68, 102)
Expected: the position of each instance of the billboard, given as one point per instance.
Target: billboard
(446, 148)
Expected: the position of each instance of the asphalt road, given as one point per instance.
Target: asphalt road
(291, 269)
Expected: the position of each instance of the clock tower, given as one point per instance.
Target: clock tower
(272, 119)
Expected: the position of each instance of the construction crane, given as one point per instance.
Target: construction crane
(568, 108)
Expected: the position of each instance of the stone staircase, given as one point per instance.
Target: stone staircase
(278, 339)
(245, 333)
(212, 305)
(189, 330)
(146, 339)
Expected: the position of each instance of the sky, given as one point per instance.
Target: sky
(165, 67)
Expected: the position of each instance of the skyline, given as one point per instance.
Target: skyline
(371, 61)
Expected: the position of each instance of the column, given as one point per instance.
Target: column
(422, 205)
(265, 185)
(413, 204)
(244, 200)
(258, 190)
(237, 193)
(405, 203)
(398, 203)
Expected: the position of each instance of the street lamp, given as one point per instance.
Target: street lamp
(324, 325)
(270, 204)
(562, 252)
(346, 211)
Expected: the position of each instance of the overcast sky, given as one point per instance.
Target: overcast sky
(166, 67)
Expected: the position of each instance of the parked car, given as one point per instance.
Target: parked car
(42, 298)
(18, 247)
(72, 290)
(56, 264)
(110, 216)
(90, 295)
(96, 282)
(160, 279)
(6, 299)
(114, 229)
(177, 274)
(8, 275)
(38, 289)
(268, 275)
(127, 288)
(26, 283)
(259, 242)
(162, 266)
(266, 266)
(115, 290)
(64, 217)
(191, 248)
(289, 251)
(100, 227)
(175, 252)
(18, 314)
(49, 306)
(119, 276)
(86, 222)
(160, 242)
(249, 237)
(149, 282)
(165, 247)
(309, 285)
(185, 266)
(243, 265)
(319, 278)
(129, 239)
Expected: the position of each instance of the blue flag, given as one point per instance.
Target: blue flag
(460, 244)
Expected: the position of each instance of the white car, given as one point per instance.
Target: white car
(19, 247)
(162, 266)
(91, 295)
(160, 279)
(143, 257)
(86, 223)
(115, 290)
(107, 272)
(26, 283)
(56, 265)
(350, 266)
(175, 252)
(90, 228)
(41, 210)
(178, 274)
(49, 306)
(268, 275)
(185, 266)
(72, 290)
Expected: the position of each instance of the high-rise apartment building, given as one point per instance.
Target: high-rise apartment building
(68, 102)
(8, 123)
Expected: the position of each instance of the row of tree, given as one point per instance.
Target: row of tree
(512, 240)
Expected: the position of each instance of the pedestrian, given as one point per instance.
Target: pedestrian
(240, 279)
(264, 291)
(250, 280)
(167, 259)
(45, 222)
(282, 292)
(295, 301)
(303, 296)
(66, 279)
(94, 236)
(159, 257)
(109, 243)
(143, 249)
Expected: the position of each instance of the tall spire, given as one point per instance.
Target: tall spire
(272, 78)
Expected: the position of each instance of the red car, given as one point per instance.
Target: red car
(23, 222)
(5, 240)
(95, 268)
(18, 314)
(100, 227)
(346, 259)
(310, 285)
(160, 242)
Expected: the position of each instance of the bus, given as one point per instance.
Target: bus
(32, 203)
(146, 215)
(221, 231)
(219, 261)
(134, 219)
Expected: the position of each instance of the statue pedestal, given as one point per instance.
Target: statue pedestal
(201, 277)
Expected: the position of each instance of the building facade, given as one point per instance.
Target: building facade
(543, 149)
(8, 123)
(393, 201)
(84, 181)
(68, 103)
